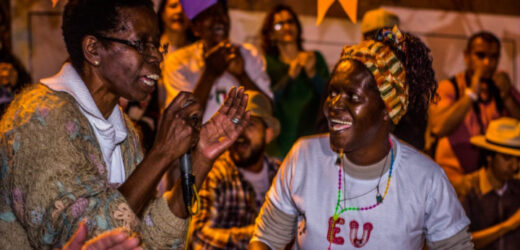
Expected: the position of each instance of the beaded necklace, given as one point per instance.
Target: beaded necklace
(379, 198)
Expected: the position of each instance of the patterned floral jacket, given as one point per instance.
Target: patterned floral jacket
(52, 176)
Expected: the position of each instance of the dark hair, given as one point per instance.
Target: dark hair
(162, 7)
(269, 46)
(422, 88)
(484, 35)
(190, 37)
(90, 17)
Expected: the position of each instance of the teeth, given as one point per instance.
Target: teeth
(153, 76)
(149, 82)
(341, 122)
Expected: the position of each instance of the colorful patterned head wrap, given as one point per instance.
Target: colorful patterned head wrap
(387, 70)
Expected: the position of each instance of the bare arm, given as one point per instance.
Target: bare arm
(448, 118)
(215, 137)
(174, 137)
(487, 236)
(203, 86)
(215, 61)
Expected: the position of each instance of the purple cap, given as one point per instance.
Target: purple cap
(194, 7)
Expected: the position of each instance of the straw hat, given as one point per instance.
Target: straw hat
(259, 105)
(377, 19)
(502, 135)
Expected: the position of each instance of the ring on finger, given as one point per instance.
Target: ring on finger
(235, 120)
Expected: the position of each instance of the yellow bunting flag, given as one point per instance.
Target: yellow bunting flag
(54, 2)
(323, 6)
(349, 6)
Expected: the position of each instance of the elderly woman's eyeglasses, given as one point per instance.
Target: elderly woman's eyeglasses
(143, 48)
(279, 25)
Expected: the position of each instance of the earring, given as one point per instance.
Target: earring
(96, 63)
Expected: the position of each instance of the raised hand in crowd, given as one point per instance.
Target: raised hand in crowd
(307, 60)
(224, 56)
(215, 58)
(223, 128)
(503, 83)
(235, 62)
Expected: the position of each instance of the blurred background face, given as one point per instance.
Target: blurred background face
(354, 108)
(250, 145)
(212, 25)
(285, 29)
(173, 16)
(8, 75)
(482, 55)
(504, 166)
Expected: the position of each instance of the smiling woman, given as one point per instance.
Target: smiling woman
(71, 155)
(364, 178)
(298, 78)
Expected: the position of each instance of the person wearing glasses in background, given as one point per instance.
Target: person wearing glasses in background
(467, 103)
(298, 77)
(69, 153)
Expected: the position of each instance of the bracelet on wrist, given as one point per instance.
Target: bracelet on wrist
(472, 95)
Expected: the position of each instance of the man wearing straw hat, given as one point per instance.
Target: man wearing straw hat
(235, 188)
(491, 196)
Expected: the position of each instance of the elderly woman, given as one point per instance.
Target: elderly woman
(298, 77)
(70, 155)
(359, 186)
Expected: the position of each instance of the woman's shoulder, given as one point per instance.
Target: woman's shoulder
(415, 160)
(313, 142)
(313, 146)
(37, 102)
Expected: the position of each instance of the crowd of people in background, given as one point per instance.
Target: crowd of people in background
(375, 153)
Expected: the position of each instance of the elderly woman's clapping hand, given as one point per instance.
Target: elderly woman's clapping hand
(225, 126)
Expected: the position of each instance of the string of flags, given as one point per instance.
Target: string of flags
(349, 6)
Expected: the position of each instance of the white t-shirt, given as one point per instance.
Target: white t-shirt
(259, 181)
(183, 68)
(420, 201)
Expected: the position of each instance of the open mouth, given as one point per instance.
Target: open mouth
(339, 125)
(150, 79)
(241, 143)
(177, 18)
(219, 29)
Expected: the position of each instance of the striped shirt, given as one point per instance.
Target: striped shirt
(227, 207)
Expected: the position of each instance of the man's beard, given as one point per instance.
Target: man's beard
(256, 154)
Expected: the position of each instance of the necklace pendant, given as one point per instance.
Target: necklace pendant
(379, 199)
